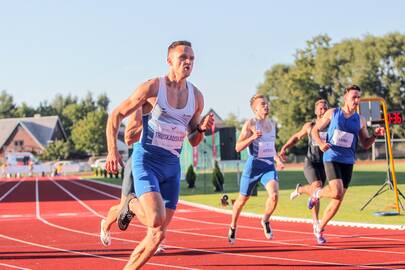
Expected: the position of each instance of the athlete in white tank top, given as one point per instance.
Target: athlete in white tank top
(259, 135)
(180, 60)
(167, 126)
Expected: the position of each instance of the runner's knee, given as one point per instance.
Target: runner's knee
(316, 184)
(273, 196)
(157, 236)
(157, 221)
(337, 194)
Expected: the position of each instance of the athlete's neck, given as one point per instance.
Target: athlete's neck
(174, 82)
(261, 117)
(347, 110)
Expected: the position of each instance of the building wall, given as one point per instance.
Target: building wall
(29, 144)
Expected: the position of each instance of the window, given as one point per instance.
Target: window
(19, 143)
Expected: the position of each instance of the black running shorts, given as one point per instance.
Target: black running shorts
(314, 171)
(336, 170)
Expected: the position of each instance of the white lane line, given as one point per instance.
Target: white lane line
(38, 213)
(283, 242)
(266, 257)
(58, 249)
(12, 216)
(10, 190)
(67, 214)
(14, 266)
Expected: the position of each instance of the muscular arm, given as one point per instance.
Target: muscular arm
(321, 125)
(295, 138)
(246, 137)
(130, 105)
(365, 139)
(194, 135)
(134, 128)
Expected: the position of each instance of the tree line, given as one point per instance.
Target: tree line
(84, 121)
(323, 70)
(320, 70)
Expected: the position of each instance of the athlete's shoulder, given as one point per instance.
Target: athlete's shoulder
(250, 122)
(329, 113)
(197, 92)
(148, 88)
(272, 122)
(309, 124)
(152, 83)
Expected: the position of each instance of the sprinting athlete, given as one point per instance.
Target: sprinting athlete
(313, 165)
(346, 127)
(259, 135)
(177, 105)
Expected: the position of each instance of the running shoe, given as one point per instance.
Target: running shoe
(232, 235)
(312, 202)
(267, 229)
(125, 216)
(315, 226)
(295, 193)
(160, 249)
(320, 239)
(105, 237)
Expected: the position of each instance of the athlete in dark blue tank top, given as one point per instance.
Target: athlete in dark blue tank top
(346, 127)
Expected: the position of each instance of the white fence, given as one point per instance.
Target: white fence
(42, 169)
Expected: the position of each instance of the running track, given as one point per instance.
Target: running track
(53, 223)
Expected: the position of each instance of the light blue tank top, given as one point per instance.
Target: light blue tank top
(165, 129)
(343, 136)
(264, 147)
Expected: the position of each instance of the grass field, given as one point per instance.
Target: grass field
(367, 179)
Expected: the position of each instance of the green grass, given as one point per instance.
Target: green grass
(367, 179)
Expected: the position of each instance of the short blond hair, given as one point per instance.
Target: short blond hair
(253, 99)
(322, 101)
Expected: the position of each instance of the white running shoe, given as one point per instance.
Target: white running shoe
(232, 235)
(105, 237)
(266, 229)
(295, 193)
(319, 234)
(160, 249)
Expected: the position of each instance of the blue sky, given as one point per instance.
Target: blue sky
(75, 46)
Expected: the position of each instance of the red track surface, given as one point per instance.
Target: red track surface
(54, 224)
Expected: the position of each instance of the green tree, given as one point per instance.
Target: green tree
(57, 150)
(88, 134)
(71, 114)
(24, 111)
(45, 109)
(7, 105)
(59, 102)
(232, 120)
(191, 176)
(103, 101)
(217, 178)
(322, 70)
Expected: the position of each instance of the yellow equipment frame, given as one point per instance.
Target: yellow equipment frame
(389, 147)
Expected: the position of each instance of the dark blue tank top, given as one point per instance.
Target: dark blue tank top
(343, 137)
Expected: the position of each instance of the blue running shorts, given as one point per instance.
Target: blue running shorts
(156, 173)
(256, 170)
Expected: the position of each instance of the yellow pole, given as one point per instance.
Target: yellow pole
(390, 154)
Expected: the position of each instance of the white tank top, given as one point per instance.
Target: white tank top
(264, 147)
(167, 126)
